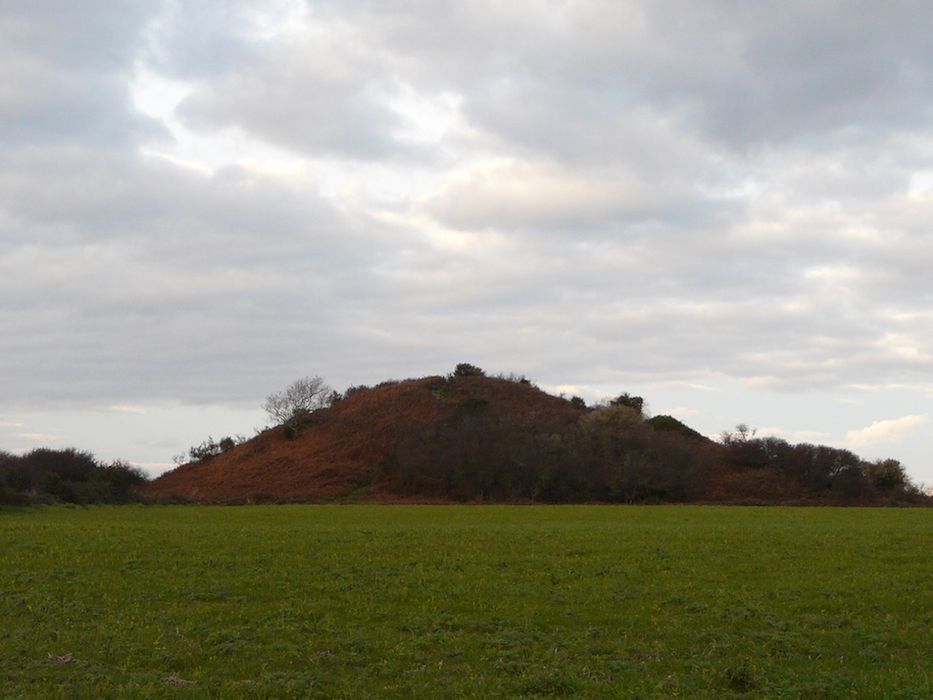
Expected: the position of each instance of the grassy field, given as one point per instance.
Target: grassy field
(434, 602)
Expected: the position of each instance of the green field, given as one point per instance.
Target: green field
(434, 602)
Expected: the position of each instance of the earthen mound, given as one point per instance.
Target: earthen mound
(345, 450)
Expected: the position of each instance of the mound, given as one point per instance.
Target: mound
(480, 439)
(349, 449)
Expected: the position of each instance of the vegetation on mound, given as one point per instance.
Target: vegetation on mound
(477, 438)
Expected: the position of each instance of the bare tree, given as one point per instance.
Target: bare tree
(301, 397)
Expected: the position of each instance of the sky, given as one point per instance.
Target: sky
(724, 207)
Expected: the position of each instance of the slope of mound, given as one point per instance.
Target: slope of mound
(342, 450)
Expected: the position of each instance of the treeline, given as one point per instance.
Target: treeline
(66, 476)
(608, 454)
(819, 469)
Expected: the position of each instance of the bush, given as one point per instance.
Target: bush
(636, 403)
(465, 369)
(122, 479)
(885, 474)
(204, 451)
(210, 448)
(45, 475)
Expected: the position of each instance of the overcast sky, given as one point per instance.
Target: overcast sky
(726, 207)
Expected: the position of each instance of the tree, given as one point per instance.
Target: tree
(886, 474)
(301, 397)
(634, 402)
(465, 369)
(741, 434)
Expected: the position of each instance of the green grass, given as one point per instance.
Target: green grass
(434, 602)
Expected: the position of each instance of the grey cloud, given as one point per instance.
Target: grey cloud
(313, 96)
(743, 74)
(570, 82)
(65, 72)
(126, 277)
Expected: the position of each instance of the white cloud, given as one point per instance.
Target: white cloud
(127, 408)
(509, 195)
(885, 430)
(38, 437)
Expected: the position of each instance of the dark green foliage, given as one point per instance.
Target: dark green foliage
(608, 455)
(290, 431)
(474, 455)
(670, 424)
(819, 468)
(885, 474)
(69, 476)
(578, 402)
(636, 403)
(630, 463)
(465, 369)
(123, 479)
(510, 377)
(207, 449)
(211, 448)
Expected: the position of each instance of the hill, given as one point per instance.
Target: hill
(484, 439)
(347, 447)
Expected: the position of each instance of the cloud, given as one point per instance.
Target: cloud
(133, 410)
(38, 437)
(580, 194)
(65, 71)
(540, 197)
(886, 430)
